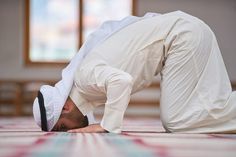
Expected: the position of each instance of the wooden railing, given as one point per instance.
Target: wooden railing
(16, 96)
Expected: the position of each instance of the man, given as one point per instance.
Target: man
(122, 57)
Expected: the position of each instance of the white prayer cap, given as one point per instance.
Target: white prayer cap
(53, 102)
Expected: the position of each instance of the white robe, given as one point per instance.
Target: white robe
(196, 94)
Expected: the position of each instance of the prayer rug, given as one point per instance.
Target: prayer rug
(142, 137)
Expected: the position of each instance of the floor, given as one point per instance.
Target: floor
(142, 137)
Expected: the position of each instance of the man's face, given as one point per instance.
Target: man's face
(65, 124)
(71, 118)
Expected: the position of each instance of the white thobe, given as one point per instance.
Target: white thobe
(179, 46)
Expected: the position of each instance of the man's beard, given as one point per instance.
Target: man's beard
(76, 116)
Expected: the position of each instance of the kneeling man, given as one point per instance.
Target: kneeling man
(122, 57)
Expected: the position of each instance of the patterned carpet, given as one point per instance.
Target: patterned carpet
(20, 137)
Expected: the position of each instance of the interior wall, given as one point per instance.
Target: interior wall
(219, 15)
(11, 46)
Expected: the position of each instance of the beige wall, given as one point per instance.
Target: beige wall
(219, 14)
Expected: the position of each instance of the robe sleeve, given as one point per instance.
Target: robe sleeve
(117, 85)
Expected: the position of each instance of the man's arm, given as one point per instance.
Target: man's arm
(118, 90)
(117, 85)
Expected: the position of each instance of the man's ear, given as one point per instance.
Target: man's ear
(67, 107)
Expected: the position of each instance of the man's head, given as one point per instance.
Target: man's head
(52, 110)
(70, 118)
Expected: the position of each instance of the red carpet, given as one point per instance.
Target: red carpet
(20, 137)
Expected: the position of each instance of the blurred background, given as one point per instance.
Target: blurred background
(39, 37)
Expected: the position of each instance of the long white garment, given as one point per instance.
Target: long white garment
(127, 61)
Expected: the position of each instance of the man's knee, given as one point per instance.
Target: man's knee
(166, 125)
(170, 125)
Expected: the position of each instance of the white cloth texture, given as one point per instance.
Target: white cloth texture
(195, 89)
(196, 94)
(56, 96)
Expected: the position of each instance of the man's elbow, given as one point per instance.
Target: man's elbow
(124, 80)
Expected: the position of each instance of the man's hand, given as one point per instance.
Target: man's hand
(94, 128)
